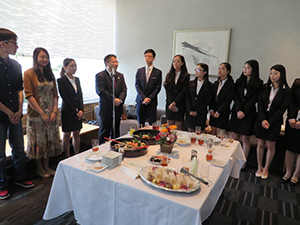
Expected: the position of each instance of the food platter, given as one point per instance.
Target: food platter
(147, 135)
(164, 177)
(155, 159)
(132, 152)
(94, 156)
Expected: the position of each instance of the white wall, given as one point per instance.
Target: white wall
(265, 30)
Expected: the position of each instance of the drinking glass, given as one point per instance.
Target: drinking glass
(204, 171)
(155, 125)
(193, 138)
(132, 128)
(95, 145)
(198, 130)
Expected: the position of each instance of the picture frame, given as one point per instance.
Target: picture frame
(210, 46)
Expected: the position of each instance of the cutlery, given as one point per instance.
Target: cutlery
(185, 171)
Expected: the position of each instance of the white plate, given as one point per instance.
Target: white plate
(94, 156)
(206, 137)
(183, 141)
(144, 176)
(218, 162)
(97, 167)
(152, 162)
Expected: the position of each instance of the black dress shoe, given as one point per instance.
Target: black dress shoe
(284, 180)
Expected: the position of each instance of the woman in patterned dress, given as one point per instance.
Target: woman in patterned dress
(43, 139)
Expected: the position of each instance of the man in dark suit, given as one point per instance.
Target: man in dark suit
(104, 88)
(148, 85)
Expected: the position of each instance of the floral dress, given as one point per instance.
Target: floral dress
(43, 141)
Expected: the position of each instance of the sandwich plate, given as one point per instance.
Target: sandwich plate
(144, 175)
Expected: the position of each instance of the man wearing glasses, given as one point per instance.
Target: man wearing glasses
(104, 88)
(11, 106)
(147, 84)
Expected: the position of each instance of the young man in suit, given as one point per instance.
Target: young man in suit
(11, 109)
(148, 84)
(104, 88)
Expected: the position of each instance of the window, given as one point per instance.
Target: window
(79, 29)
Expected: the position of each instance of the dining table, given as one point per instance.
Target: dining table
(118, 196)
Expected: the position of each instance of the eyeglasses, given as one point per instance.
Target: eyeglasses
(196, 70)
(14, 42)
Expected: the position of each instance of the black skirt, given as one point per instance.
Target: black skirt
(221, 122)
(69, 122)
(243, 126)
(177, 116)
(193, 121)
(271, 134)
(291, 139)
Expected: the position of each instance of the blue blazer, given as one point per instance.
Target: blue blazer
(150, 89)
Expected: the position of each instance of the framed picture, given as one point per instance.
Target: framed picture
(202, 46)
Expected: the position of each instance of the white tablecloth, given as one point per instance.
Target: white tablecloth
(113, 197)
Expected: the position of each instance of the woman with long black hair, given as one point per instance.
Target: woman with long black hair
(222, 98)
(43, 139)
(292, 135)
(176, 85)
(243, 117)
(272, 103)
(198, 98)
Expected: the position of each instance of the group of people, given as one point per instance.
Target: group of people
(245, 107)
(257, 108)
(43, 139)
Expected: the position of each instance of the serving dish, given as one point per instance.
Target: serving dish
(147, 135)
(132, 152)
(97, 167)
(169, 179)
(155, 159)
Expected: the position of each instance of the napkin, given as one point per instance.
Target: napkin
(130, 172)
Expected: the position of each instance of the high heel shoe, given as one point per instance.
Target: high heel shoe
(284, 180)
(258, 174)
(265, 176)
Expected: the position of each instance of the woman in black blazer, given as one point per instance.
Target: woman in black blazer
(72, 105)
(222, 98)
(292, 135)
(176, 85)
(198, 98)
(272, 103)
(243, 117)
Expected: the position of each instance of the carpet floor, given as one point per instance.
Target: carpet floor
(248, 200)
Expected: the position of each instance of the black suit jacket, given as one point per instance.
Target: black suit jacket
(221, 103)
(72, 102)
(294, 106)
(150, 89)
(104, 89)
(246, 103)
(278, 106)
(198, 102)
(176, 92)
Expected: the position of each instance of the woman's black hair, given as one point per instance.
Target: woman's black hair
(254, 81)
(47, 73)
(171, 75)
(282, 80)
(205, 68)
(65, 64)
